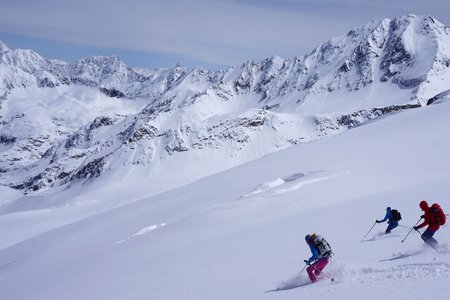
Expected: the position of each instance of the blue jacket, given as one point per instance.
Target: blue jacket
(314, 251)
(389, 217)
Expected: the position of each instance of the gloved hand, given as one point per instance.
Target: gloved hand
(416, 227)
(422, 216)
(307, 262)
(376, 221)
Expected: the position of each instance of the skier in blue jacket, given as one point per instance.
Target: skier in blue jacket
(392, 219)
(321, 252)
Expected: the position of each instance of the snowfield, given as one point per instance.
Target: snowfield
(239, 234)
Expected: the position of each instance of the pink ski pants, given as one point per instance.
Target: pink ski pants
(315, 269)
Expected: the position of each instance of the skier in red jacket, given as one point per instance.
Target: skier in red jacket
(433, 217)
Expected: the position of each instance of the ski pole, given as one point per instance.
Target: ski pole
(426, 242)
(405, 226)
(320, 272)
(411, 230)
(370, 229)
(303, 269)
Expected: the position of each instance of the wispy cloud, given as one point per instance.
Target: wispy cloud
(208, 31)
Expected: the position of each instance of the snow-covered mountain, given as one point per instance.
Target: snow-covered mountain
(240, 234)
(64, 123)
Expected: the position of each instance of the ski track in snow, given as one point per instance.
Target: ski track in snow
(404, 271)
(4, 265)
(381, 235)
(143, 231)
(368, 275)
(291, 183)
(293, 283)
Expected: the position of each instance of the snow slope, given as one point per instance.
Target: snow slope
(239, 234)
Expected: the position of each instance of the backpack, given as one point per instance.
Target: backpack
(396, 216)
(323, 246)
(438, 214)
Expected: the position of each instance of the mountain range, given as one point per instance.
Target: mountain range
(69, 123)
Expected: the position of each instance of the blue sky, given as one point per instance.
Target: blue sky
(208, 33)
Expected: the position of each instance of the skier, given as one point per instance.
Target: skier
(393, 216)
(321, 252)
(434, 217)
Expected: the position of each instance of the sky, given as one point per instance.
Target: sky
(208, 33)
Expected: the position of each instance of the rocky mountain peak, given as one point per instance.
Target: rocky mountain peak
(3, 48)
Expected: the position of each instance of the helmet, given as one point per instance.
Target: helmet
(388, 209)
(310, 237)
(424, 205)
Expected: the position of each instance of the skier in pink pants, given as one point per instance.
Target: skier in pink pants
(321, 252)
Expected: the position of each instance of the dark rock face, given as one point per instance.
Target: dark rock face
(92, 169)
(113, 93)
(137, 132)
(46, 82)
(361, 117)
(5, 139)
(101, 122)
(175, 142)
(32, 184)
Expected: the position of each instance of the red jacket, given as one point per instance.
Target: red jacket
(430, 220)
